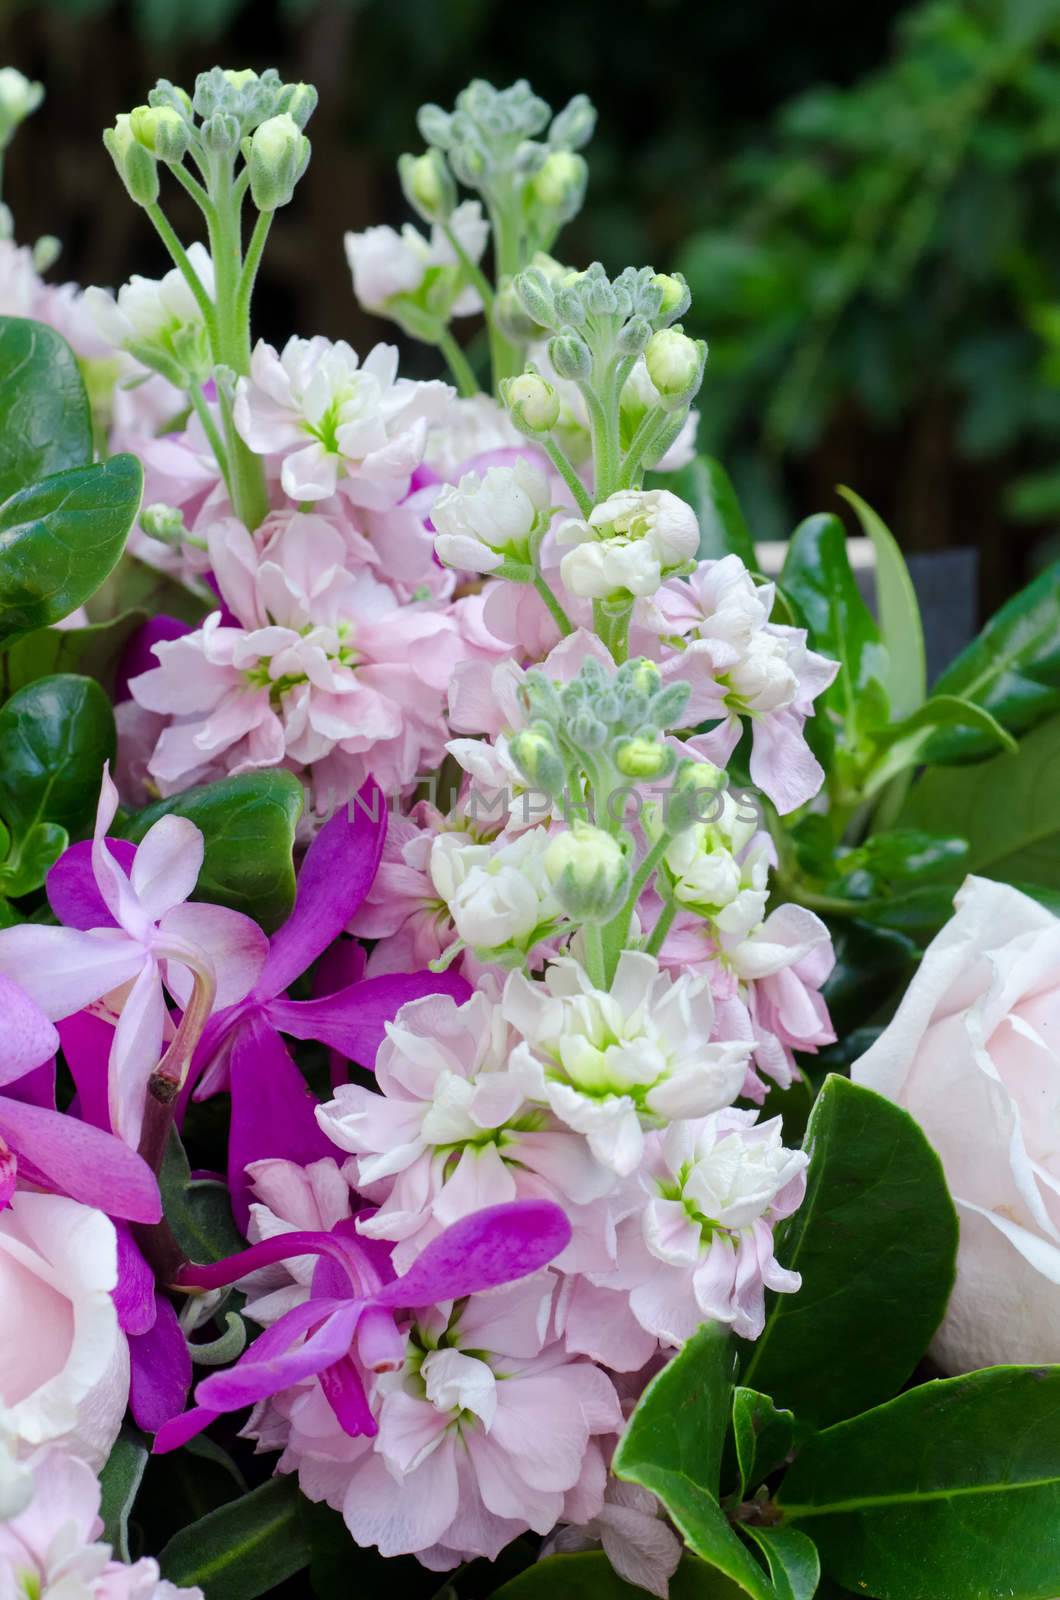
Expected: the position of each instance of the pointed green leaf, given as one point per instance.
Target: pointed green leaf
(952, 1489)
(590, 1576)
(60, 537)
(244, 1548)
(705, 1529)
(197, 1209)
(875, 1241)
(120, 1483)
(762, 1435)
(794, 1565)
(45, 421)
(899, 611)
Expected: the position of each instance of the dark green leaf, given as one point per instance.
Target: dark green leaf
(242, 1549)
(45, 421)
(899, 611)
(95, 651)
(120, 1482)
(590, 1576)
(1012, 670)
(197, 1209)
(248, 824)
(942, 711)
(952, 1489)
(875, 1240)
(818, 577)
(794, 1565)
(1005, 808)
(55, 736)
(706, 1530)
(763, 1436)
(31, 858)
(707, 487)
(60, 538)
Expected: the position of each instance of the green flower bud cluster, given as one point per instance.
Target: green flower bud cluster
(229, 111)
(600, 723)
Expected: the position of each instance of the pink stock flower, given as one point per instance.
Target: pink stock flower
(134, 932)
(701, 1248)
(321, 668)
(339, 424)
(52, 1549)
(740, 664)
(402, 910)
(452, 1130)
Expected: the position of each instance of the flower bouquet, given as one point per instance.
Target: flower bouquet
(492, 1078)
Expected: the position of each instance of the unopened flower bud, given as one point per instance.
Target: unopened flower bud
(162, 130)
(697, 796)
(675, 363)
(634, 337)
(560, 183)
(220, 132)
(570, 355)
(136, 165)
(241, 77)
(532, 401)
(299, 100)
(588, 871)
(18, 98)
(279, 153)
(512, 317)
(163, 523)
(675, 296)
(643, 758)
(535, 291)
(573, 126)
(428, 185)
(165, 93)
(644, 676)
(534, 752)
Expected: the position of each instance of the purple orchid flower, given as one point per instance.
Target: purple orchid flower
(159, 1360)
(51, 1149)
(347, 1329)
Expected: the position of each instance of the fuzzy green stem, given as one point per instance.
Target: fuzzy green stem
(661, 928)
(251, 262)
(559, 616)
(595, 963)
(459, 366)
(473, 270)
(565, 467)
(209, 428)
(191, 277)
(616, 931)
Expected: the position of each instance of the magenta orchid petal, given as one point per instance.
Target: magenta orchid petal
(266, 1373)
(336, 875)
(28, 1037)
(37, 1088)
(281, 1247)
(160, 1370)
(80, 1161)
(273, 1109)
(343, 1389)
(86, 1040)
(8, 1174)
(134, 1293)
(71, 886)
(178, 1430)
(353, 1021)
(64, 969)
(493, 1246)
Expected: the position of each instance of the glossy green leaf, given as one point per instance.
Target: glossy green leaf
(45, 420)
(673, 1446)
(95, 651)
(723, 530)
(60, 538)
(197, 1209)
(818, 576)
(248, 824)
(944, 711)
(899, 612)
(794, 1565)
(875, 1241)
(120, 1482)
(55, 736)
(762, 1435)
(244, 1548)
(590, 1576)
(1005, 808)
(952, 1489)
(1012, 670)
(31, 856)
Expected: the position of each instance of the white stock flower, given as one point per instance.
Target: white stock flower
(341, 423)
(610, 1063)
(481, 522)
(496, 895)
(147, 309)
(629, 544)
(385, 263)
(719, 868)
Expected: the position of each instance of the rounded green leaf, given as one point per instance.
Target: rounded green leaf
(875, 1240)
(248, 825)
(55, 735)
(45, 420)
(952, 1489)
(60, 538)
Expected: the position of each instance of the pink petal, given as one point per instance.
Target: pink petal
(28, 1038)
(344, 1391)
(171, 1435)
(135, 1052)
(233, 944)
(71, 886)
(167, 865)
(267, 1371)
(134, 1295)
(353, 1021)
(63, 969)
(82, 1162)
(86, 1041)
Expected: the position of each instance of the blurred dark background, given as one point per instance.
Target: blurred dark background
(866, 201)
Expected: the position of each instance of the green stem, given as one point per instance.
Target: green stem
(506, 358)
(459, 366)
(565, 467)
(651, 425)
(616, 931)
(209, 428)
(595, 964)
(605, 454)
(661, 928)
(251, 262)
(559, 616)
(191, 277)
(474, 271)
(194, 188)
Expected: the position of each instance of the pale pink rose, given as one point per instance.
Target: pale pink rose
(52, 1551)
(972, 1055)
(64, 1361)
(681, 1271)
